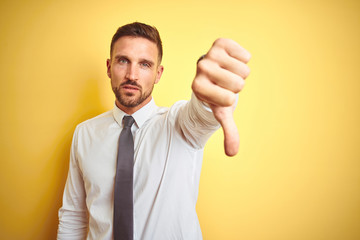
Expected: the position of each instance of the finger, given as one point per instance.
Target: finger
(221, 77)
(233, 49)
(231, 137)
(235, 66)
(211, 93)
(224, 60)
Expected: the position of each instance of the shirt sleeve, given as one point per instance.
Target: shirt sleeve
(73, 217)
(197, 122)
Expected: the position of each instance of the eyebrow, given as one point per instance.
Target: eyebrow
(117, 57)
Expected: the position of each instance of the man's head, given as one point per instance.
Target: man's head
(134, 65)
(138, 29)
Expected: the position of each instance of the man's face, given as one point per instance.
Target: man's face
(133, 69)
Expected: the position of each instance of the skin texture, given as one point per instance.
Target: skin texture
(134, 69)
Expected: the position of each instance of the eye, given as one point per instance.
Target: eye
(122, 60)
(145, 64)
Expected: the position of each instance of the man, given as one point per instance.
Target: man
(167, 149)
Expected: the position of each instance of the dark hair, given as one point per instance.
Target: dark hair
(138, 29)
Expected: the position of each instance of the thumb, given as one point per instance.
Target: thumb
(224, 115)
(231, 136)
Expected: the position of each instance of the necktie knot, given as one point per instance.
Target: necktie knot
(128, 121)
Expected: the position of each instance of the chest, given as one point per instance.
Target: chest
(160, 152)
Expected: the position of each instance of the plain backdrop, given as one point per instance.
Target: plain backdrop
(297, 175)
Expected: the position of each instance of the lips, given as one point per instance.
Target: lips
(130, 87)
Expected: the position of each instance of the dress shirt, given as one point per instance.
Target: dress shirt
(168, 145)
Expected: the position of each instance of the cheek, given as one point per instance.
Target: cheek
(117, 73)
(149, 76)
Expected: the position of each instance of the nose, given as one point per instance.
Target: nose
(132, 72)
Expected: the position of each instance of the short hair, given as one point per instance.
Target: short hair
(137, 29)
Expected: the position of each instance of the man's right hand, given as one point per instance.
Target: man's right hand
(220, 76)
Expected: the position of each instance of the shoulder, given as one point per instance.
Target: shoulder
(177, 107)
(183, 108)
(164, 116)
(101, 120)
(173, 111)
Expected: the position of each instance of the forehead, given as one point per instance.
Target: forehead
(135, 47)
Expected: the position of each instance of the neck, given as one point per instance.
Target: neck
(132, 110)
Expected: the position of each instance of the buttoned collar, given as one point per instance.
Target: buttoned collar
(140, 115)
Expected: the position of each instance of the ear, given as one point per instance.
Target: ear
(160, 70)
(108, 66)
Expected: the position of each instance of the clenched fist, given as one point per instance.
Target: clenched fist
(220, 76)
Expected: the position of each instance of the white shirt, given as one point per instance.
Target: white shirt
(168, 146)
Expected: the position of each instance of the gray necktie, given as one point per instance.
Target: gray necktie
(123, 192)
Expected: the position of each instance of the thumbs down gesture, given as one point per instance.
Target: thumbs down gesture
(220, 75)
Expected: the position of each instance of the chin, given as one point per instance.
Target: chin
(129, 102)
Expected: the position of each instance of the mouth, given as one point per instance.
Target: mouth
(130, 88)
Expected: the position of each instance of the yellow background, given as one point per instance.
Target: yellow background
(297, 175)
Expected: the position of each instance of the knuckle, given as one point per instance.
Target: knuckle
(202, 65)
(213, 54)
(196, 85)
(220, 41)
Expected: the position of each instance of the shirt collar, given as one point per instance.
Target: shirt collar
(140, 115)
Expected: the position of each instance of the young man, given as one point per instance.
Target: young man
(157, 198)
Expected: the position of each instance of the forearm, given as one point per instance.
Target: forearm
(72, 225)
(197, 122)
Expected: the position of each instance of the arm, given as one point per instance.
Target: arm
(197, 122)
(220, 76)
(73, 219)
